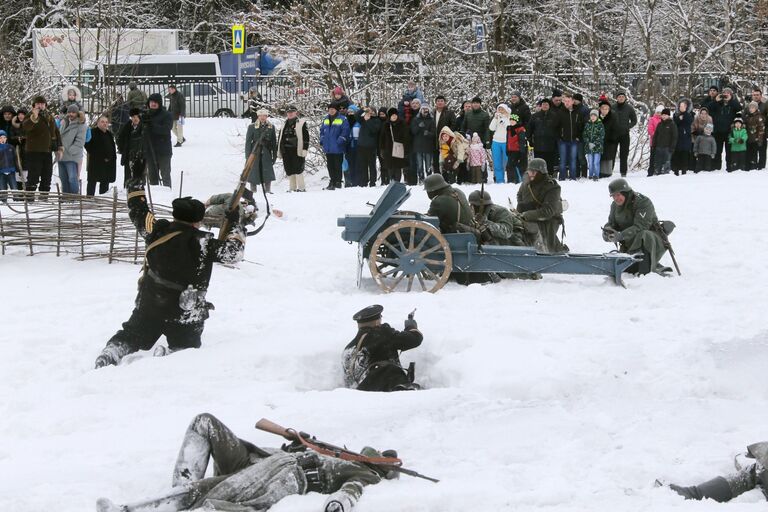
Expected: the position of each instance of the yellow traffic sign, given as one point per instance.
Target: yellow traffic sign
(238, 39)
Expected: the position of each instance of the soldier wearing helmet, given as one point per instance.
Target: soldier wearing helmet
(539, 203)
(494, 224)
(631, 225)
(448, 204)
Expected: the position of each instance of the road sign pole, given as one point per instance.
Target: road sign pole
(238, 47)
(239, 74)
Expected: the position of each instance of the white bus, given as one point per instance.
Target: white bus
(171, 67)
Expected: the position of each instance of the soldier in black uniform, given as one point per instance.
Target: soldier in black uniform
(371, 361)
(178, 263)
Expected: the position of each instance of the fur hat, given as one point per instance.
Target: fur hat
(156, 97)
(727, 90)
(476, 99)
(134, 112)
(39, 99)
(188, 209)
(7, 108)
(545, 100)
(22, 110)
(392, 111)
(753, 104)
(665, 112)
(382, 110)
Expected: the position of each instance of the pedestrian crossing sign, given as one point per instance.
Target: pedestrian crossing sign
(238, 39)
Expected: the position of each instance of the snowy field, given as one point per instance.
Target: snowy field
(565, 394)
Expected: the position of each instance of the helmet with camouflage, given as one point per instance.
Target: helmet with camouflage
(477, 199)
(538, 165)
(435, 182)
(619, 185)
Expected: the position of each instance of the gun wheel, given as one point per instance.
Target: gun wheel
(410, 255)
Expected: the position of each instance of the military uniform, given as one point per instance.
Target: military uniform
(448, 204)
(539, 203)
(178, 264)
(634, 221)
(371, 361)
(248, 478)
(747, 477)
(503, 227)
(216, 208)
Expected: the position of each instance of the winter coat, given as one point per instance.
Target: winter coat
(368, 359)
(516, 139)
(504, 227)
(130, 142)
(684, 124)
(73, 138)
(334, 134)
(423, 134)
(477, 156)
(626, 118)
(538, 201)
(723, 114)
(611, 144)
(66, 102)
(102, 157)
(177, 105)
(400, 132)
(369, 131)
(293, 145)
(341, 103)
(665, 135)
(136, 98)
(457, 146)
(447, 118)
(41, 132)
(705, 145)
(262, 170)
(451, 207)
(7, 159)
(498, 128)
(633, 220)
(570, 125)
(158, 136)
(755, 125)
(593, 137)
(738, 140)
(653, 122)
(522, 110)
(478, 121)
(700, 122)
(543, 131)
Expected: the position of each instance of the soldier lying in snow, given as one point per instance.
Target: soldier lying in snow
(216, 207)
(248, 478)
(371, 361)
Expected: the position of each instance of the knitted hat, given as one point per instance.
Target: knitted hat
(738, 120)
(516, 93)
(709, 127)
(3, 134)
(714, 88)
(382, 110)
(665, 112)
(391, 111)
(621, 93)
(476, 99)
(504, 107)
(338, 90)
(188, 209)
(415, 100)
(753, 104)
(72, 109)
(594, 112)
(659, 108)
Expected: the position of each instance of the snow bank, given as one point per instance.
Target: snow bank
(566, 394)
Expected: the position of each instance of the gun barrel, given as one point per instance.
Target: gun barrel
(412, 473)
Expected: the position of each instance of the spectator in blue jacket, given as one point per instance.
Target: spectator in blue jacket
(334, 135)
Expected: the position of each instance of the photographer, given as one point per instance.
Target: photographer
(723, 108)
(157, 149)
(43, 138)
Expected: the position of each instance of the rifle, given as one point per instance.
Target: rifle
(382, 463)
(234, 201)
(658, 226)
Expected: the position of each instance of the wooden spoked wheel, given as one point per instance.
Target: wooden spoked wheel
(410, 255)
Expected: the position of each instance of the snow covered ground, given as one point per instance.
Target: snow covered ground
(566, 394)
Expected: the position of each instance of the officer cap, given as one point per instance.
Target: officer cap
(291, 108)
(475, 199)
(435, 182)
(188, 209)
(538, 165)
(368, 314)
(619, 185)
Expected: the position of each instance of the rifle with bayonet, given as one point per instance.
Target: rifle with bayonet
(383, 463)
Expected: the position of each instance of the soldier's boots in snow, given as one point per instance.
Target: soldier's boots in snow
(720, 489)
(112, 354)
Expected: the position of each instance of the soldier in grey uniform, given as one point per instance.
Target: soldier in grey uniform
(371, 361)
(494, 224)
(247, 478)
(750, 473)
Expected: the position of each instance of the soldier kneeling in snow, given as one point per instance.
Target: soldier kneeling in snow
(750, 474)
(247, 478)
(178, 260)
(371, 361)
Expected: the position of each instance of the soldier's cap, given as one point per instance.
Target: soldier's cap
(368, 314)
(188, 209)
(291, 108)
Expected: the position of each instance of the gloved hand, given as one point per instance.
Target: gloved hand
(485, 233)
(613, 236)
(463, 228)
(608, 232)
(233, 216)
(102, 361)
(410, 324)
(334, 506)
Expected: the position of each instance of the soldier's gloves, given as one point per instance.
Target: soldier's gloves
(410, 324)
(334, 506)
(608, 232)
(233, 216)
(485, 233)
(615, 236)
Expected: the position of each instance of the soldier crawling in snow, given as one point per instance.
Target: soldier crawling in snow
(248, 478)
(751, 473)
(178, 263)
(371, 361)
